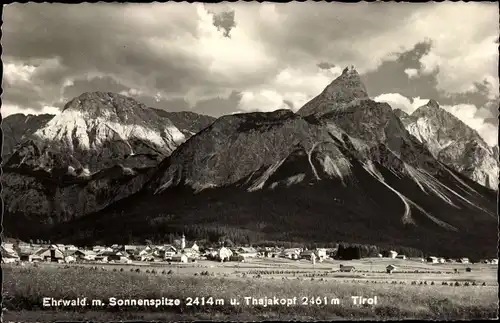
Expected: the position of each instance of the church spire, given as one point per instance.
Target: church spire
(183, 241)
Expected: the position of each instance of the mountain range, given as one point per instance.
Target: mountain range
(344, 167)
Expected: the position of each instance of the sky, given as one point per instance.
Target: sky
(219, 59)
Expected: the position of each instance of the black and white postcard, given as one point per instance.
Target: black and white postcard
(246, 161)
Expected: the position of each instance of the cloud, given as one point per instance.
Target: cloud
(190, 57)
(397, 101)
(325, 65)
(223, 20)
(411, 72)
(8, 110)
(290, 89)
(469, 114)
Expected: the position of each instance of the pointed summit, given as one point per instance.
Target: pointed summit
(432, 104)
(343, 90)
(431, 108)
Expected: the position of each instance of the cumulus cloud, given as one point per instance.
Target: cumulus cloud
(398, 101)
(8, 110)
(469, 114)
(266, 53)
(290, 89)
(411, 72)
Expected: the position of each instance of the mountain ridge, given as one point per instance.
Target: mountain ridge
(94, 151)
(346, 168)
(451, 141)
(351, 171)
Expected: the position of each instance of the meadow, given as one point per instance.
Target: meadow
(401, 296)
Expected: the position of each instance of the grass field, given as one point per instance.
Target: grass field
(401, 295)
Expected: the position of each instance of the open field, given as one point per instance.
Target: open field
(407, 294)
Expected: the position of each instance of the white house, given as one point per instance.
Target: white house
(390, 269)
(190, 253)
(169, 251)
(321, 253)
(494, 261)
(292, 253)
(247, 252)
(224, 254)
(180, 257)
(433, 260)
(9, 255)
(306, 254)
(69, 259)
(51, 253)
(347, 269)
(88, 255)
(71, 247)
(393, 254)
(464, 260)
(441, 260)
(403, 257)
(195, 247)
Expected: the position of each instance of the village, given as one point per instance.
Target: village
(219, 273)
(182, 252)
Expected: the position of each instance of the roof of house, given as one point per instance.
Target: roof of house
(113, 253)
(391, 267)
(87, 252)
(41, 251)
(179, 255)
(69, 252)
(9, 253)
(247, 250)
(25, 250)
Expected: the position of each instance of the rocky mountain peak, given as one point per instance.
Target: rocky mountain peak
(432, 104)
(400, 113)
(445, 122)
(345, 89)
(453, 142)
(108, 105)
